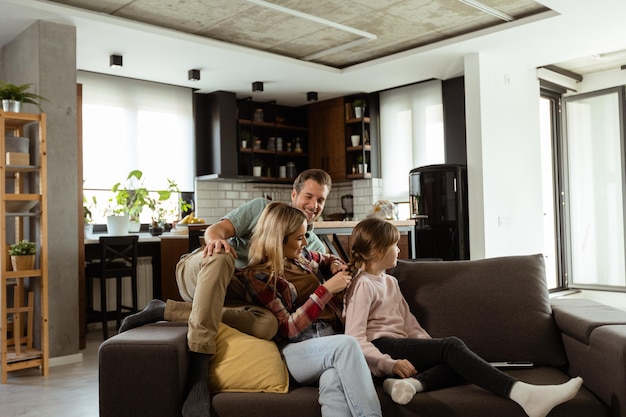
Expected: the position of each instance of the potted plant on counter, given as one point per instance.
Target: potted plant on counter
(23, 255)
(88, 214)
(131, 196)
(13, 96)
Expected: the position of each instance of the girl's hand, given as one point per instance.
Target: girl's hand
(338, 282)
(404, 369)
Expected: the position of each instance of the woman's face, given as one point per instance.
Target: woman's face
(295, 242)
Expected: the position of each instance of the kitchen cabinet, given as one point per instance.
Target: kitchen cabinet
(172, 248)
(235, 136)
(273, 140)
(23, 212)
(332, 125)
(326, 134)
(360, 137)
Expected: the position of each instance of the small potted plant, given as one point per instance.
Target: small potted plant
(88, 214)
(23, 255)
(133, 197)
(13, 96)
(359, 105)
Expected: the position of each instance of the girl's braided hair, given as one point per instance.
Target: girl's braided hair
(371, 238)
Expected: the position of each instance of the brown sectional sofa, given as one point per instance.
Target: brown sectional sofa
(499, 307)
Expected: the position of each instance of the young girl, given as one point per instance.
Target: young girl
(395, 344)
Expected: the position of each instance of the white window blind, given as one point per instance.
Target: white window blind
(130, 124)
(411, 123)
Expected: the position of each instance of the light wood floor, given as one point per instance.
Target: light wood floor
(68, 390)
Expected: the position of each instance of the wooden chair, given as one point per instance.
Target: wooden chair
(118, 259)
(196, 233)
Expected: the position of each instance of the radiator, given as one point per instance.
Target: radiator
(144, 287)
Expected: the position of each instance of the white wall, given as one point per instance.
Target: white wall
(504, 158)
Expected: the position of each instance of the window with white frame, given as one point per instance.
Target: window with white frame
(134, 125)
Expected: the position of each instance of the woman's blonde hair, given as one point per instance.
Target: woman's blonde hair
(371, 238)
(276, 223)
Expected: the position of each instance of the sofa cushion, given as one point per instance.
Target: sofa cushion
(244, 363)
(499, 306)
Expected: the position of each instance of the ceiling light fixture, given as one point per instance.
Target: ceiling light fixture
(489, 10)
(115, 61)
(365, 36)
(311, 96)
(193, 75)
(257, 87)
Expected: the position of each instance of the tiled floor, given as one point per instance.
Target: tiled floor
(68, 390)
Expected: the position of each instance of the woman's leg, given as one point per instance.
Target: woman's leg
(338, 364)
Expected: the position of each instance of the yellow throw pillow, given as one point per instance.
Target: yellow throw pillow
(244, 363)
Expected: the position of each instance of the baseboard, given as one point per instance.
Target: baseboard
(65, 360)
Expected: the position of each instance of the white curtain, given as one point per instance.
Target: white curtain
(130, 124)
(411, 124)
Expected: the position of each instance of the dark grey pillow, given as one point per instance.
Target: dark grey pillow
(498, 306)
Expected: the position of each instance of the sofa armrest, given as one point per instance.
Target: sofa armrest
(143, 371)
(594, 336)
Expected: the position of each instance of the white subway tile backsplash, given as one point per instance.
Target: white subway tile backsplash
(216, 198)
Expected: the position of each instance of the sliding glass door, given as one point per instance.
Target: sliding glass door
(593, 198)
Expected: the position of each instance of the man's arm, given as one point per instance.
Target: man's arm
(216, 237)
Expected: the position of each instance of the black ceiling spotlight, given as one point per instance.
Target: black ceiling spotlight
(115, 61)
(194, 75)
(311, 96)
(257, 86)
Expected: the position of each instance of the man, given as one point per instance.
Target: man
(204, 282)
(309, 193)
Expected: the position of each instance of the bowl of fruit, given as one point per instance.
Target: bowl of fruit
(187, 220)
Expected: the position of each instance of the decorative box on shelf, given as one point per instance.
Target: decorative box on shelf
(17, 158)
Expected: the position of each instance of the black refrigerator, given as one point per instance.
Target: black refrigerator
(438, 197)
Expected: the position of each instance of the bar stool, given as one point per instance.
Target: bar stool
(196, 236)
(118, 259)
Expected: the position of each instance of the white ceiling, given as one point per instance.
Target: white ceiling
(569, 29)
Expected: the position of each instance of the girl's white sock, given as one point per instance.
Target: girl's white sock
(402, 390)
(538, 400)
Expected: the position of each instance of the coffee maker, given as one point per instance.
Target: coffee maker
(347, 206)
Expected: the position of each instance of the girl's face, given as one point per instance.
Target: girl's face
(390, 257)
(295, 242)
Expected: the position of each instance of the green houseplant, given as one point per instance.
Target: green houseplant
(359, 105)
(131, 197)
(23, 255)
(13, 96)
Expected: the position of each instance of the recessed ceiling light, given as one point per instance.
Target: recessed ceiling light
(193, 75)
(257, 86)
(115, 61)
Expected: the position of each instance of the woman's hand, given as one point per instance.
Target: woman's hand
(337, 266)
(338, 282)
(404, 369)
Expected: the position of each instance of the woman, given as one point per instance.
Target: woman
(282, 277)
(395, 344)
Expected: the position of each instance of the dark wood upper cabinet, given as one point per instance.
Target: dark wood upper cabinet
(327, 148)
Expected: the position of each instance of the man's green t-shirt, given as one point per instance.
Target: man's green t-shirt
(245, 217)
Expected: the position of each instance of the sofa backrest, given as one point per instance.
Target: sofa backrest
(498, 306)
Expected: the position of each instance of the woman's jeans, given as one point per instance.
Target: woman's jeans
(337, 362)
(446, 362)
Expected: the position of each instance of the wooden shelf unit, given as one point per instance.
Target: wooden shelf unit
(275, 137)
(23, 212)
